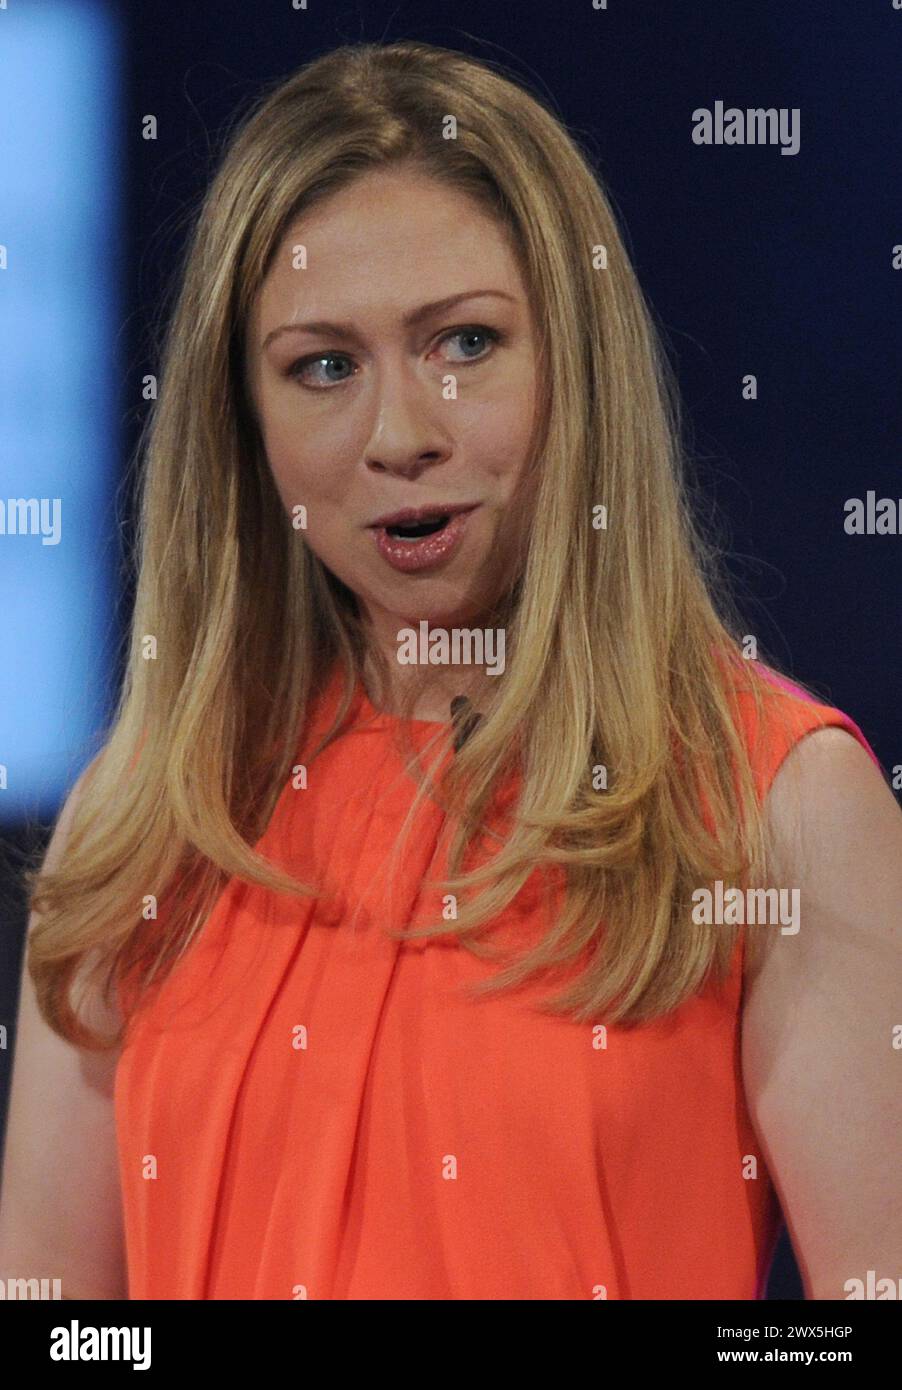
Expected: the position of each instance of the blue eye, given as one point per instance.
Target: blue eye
(300, 370)
(297, 369)
(474, 331)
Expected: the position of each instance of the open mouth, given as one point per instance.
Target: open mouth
(422, 528)
(419, 545)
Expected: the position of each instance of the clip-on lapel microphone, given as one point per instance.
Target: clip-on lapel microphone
(465, 719)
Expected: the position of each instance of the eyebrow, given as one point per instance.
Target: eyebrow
(346, 330)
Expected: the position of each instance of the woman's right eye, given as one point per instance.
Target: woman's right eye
(299, 369)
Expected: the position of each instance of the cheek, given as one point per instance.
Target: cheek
(495, 433)
(305, 467)
(306, 475)
(497, 445)
(288, 473)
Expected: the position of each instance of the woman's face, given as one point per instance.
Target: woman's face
(376, 393)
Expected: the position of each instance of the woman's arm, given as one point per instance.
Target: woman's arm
(822, 1016)
(60, 1201)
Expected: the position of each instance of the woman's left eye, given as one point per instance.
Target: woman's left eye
(474, 331)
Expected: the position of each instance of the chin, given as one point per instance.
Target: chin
(436, 610)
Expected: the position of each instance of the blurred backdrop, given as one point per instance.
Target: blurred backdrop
(786, 266)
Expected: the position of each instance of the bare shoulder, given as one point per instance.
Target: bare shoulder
(837, 778)
(820, 1013)
(61, 1211)
(832, 823)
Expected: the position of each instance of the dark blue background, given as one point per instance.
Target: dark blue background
(754, 261)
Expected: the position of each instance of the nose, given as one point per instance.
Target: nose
(407, 435)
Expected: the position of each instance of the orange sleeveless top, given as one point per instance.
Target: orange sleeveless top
(309, 1108)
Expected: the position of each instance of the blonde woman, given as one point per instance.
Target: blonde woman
(404, 940)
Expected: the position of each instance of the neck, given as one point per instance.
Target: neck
(415, 692)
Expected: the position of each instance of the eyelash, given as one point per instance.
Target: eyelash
(492, 334)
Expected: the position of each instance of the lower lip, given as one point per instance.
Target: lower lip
(425, 553)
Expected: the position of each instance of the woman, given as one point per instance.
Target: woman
(421, 1004)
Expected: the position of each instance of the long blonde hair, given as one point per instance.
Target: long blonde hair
(622, 643)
